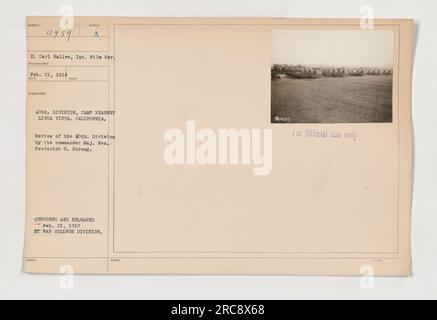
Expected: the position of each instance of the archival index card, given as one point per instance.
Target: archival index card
(218, 146)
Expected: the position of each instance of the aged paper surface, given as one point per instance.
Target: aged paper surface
(218, 146)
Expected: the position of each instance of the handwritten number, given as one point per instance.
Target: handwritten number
(54, 34)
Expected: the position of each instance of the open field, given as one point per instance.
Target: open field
(333, 100)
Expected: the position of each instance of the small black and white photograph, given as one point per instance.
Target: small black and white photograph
(332, 76)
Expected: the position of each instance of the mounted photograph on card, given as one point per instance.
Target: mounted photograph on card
(164, 146)
(332, 76)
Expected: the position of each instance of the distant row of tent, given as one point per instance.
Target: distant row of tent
(305, 72)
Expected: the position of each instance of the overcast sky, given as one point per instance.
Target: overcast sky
(367, 48)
